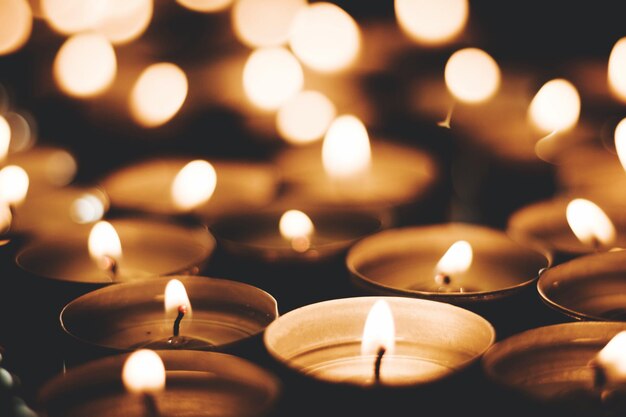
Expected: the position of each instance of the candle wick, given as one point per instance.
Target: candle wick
(150, 404)
(378, 363)
(596, 244)
(111, 265)
(446, 122)
(599, 376)
(443, 279)
(181, 313)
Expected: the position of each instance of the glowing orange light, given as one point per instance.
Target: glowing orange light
(16, 22)
(305, 118)
(346, 149)
(194, 185)
(556, 106)
(589, 223)
(379, 331)
(104, 244)
(205, 6)
(265, 22)
(144, 372)
(617, 69)
(472, 75)
(432, 22)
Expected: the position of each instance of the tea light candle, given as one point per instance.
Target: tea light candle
(569, 228)
(591, 287)
(153, 186)
(454, 262)
(146, 248)
(349, 171)
(331, 342)
(204, 384)
(216, 315)
(555, 366)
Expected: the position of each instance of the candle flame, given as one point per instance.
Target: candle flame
(88, 208)
(271, 76)
(16, 21)
(472, 75)
(104, 244)
(176, 297)
(432, 22)
(144, 372)
(324, 37)
(555, 107)
(346, 149)
(259, 23)
(617, 69)
(6, 217)
(589, 223)
(158, 94)
(305, 118)
(13, 185)
(297, 227)
(194, 185)
(379, 331)
(620, 142)
(5, 138)
(612, 359)
(457, 259)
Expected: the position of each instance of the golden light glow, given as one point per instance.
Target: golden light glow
(85, 66)
(617, 69)
(457, 259)
(472, 75)
(205, 6)
(16, 23)
(73, 16)
(346, 149)
(556, 106)
(272, 76)
(379, 331)
(6, 217)
(144, 372)
(13, 185)
(620, 142)
(295, 224)
(60, 168)
(324, 37)
(158, 94)
(104, 244)
(5, 138)
(88, 208)
(259, 23)
(432, 22)
(124, 20)
(22, 137)
(193, 185)
(176, 297)
(589, 223)
(305, 118)
(612, 359)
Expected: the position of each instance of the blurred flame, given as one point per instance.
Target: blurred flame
(379, 331)
(589, 223)
(104, 243)
(88, 208)
(13, 185)
(294, 224)
(472, 75)
(175, 297)
(124, 20)
(72, 16)
(205, 6)
(5, 138)
(612, 359)
(16, 23)
(305, 118)
(260, 23)
(457, 259)
(346, 149)
(61, 168)
(617, 69)
(144, 372)
(272, 76)
(85, 65)
(158, 94)
(620, 141)
(193, 185)
(6, 217)
(556, 106)
(22, 127)
(432, 22)
(324, 37)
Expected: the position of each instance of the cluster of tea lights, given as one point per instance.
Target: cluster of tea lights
(327, 272)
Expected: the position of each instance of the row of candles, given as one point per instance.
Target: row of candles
(315, 207)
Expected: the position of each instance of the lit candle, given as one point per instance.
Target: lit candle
(172, 313)
(177, 383)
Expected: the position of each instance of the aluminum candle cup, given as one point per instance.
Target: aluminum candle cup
(296, 271)
(550, 366)
(203, 384)
(591, 287)
(399, 177)
(498, 283)
(225, 316)
(319, 350)
(146, 187)
(545, 222)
